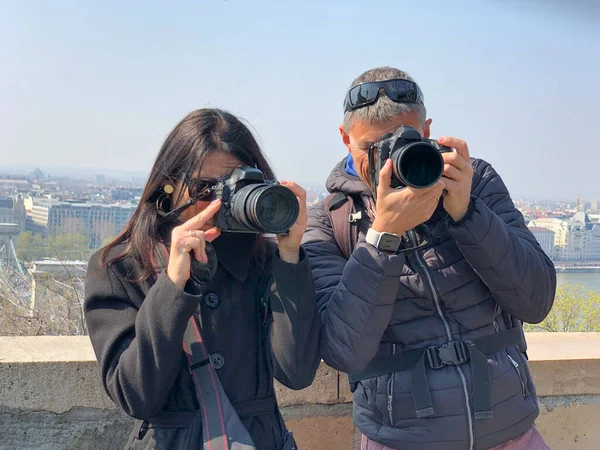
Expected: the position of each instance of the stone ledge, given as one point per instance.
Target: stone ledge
(51, 397)
(561, 364)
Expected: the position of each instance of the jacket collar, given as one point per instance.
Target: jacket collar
(235, 252)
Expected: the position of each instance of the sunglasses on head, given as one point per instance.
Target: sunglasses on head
(399, 91)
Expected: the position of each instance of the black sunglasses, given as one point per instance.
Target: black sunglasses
(202, 189)
(399, 91)
(199, 189)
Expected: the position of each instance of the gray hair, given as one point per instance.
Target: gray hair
(384, 109)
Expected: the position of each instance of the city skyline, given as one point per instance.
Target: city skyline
(139, 177)
(84, 83)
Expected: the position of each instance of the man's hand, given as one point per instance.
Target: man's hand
(399, 210)
(458, 175)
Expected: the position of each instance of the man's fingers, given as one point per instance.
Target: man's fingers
(437, 187)
(452, 185)
(385, 176)
(200, 219)
(452, 172)
(457, 161)
(458, 144)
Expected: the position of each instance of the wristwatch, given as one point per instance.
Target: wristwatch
(385, 242)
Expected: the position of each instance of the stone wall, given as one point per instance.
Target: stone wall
(51, 397)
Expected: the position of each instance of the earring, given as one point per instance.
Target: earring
(163, 202)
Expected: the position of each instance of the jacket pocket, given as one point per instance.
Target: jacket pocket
(515, 365)
(390, 392)
(169, 430)
(390, 399)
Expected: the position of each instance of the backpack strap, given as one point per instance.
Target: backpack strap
(340, 208)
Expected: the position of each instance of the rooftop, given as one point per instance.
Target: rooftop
(541, 230)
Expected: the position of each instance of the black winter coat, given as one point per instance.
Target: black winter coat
(137, 333)
(474, 278)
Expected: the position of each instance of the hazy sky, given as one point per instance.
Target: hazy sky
(100, 85)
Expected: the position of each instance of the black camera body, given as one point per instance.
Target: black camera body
(251, 204)
(417, 161)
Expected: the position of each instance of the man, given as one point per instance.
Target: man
(422, 291)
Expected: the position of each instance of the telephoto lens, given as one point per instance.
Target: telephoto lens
(419, 164)
(267, 208)
(417, 161)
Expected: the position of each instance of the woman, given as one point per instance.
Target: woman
(139, 296)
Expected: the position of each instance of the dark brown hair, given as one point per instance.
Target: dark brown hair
(180, 158)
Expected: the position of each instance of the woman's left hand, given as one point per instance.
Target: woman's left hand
(289, 244)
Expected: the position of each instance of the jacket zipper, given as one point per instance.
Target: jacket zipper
(413, 238)
(514, 363)
(390, 392)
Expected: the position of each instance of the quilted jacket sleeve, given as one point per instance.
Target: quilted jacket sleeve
(501, 249)
(355, 297)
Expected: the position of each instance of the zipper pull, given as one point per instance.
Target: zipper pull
(496, 327)
(389, 405)
(514, 363)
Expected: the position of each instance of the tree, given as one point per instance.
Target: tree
(104, 233)
(575, 309)
(72, 225)
(57, 309)
(68, 247)
(30, 246)
(65, 247)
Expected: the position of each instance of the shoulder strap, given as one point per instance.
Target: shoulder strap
(222, 428)
(339, 207)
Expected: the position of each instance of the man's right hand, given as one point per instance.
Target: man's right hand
(399, 210)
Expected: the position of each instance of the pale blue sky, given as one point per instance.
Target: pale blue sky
(100, 84)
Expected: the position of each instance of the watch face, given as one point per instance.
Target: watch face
(389, 242)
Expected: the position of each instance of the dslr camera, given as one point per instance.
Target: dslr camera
(417, 162)
(251, 204)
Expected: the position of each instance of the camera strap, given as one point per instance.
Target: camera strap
(374, 168)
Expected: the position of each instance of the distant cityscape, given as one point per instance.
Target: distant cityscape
(98, 207)
(95, 208)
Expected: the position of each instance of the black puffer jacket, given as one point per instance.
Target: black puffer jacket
(474, 278)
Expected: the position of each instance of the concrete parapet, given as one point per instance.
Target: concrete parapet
(51, 397)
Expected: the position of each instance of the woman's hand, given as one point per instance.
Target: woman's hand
(289, 245)
(187, 237)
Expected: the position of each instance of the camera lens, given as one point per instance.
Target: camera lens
(418, 165)
(265, 207)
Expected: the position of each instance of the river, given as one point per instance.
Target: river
(588, 280)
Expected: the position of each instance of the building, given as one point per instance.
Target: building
(594, 206)
(575, 239)
(545, 237)
(18, 184)
(125, 194)
(94, 220)
(12, 210)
